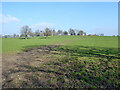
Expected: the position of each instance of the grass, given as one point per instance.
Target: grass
(81, 62)
(85, 68)
(97, 41)
(15, 44)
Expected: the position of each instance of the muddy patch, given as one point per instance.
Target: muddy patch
(24, 69)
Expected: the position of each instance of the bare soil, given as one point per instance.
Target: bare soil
(18, 69)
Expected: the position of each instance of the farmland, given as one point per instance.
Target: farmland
(61, 61)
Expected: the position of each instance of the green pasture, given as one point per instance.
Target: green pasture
(16, 44)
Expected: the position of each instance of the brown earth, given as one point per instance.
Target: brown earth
(21, 67)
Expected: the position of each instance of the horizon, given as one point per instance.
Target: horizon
(91, 17)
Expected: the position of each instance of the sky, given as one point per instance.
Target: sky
(91, 17)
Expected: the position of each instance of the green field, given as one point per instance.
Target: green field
(80, 61)
(16, 44)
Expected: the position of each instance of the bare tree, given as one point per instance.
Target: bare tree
(53, 32)
(14, 35)
(59, 32)
(44, 33)
(25, 31)
(48, 32)
(80, 33)
(65, 33)
(72, 32)
(31, 34)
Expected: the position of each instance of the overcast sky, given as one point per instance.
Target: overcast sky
(91, 17)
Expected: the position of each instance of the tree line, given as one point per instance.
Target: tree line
(26, 32)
